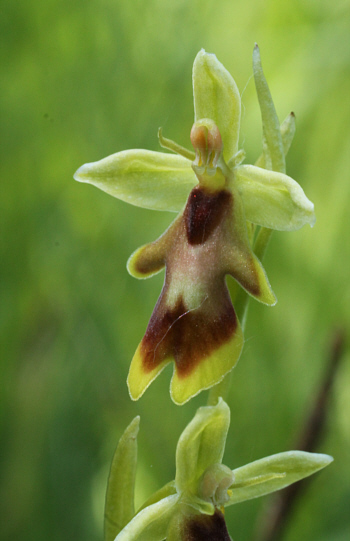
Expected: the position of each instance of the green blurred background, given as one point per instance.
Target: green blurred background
(81, 79)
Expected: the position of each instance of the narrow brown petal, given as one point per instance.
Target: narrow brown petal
(194, 323)
(150, 258)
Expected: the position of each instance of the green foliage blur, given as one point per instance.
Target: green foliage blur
(82, 79)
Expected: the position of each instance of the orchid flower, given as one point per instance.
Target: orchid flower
(194, 322)
(191, 508)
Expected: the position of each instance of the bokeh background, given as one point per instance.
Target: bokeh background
(81, 79)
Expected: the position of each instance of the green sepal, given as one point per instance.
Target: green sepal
(274, 473)
(272, 199)
(216, 96)
(272, 139)
(151, 523)
(119, 504)
(201, 445)
(152, 180)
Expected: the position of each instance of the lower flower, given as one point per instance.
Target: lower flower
(190, 508)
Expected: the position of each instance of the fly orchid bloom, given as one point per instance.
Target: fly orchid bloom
(194, 323)
(191, 508)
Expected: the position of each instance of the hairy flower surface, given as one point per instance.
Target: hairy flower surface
(191, 508)
(194, 323)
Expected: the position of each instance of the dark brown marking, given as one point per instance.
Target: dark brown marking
(204, 212)
(205, 528)
(187, 336)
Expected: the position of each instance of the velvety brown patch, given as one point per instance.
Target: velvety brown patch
(204, 212)
(187, 336)
(206, 528)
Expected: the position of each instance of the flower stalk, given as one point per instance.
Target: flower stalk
(192, 506)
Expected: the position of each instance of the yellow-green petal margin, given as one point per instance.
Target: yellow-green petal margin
(209, 371)
(138, 378)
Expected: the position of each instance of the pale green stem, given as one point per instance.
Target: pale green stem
(220, 390)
